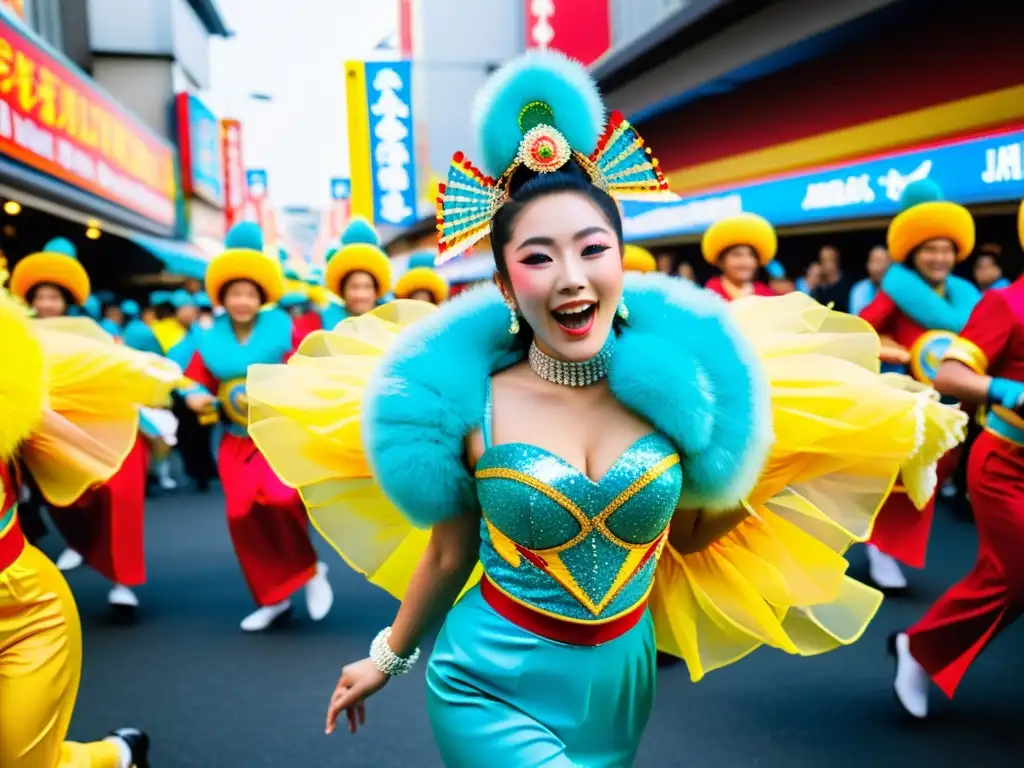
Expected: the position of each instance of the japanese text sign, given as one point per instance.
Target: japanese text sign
(392, 144)
(55, 120)
(235, 187)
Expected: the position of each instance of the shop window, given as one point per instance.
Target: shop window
(44, 17)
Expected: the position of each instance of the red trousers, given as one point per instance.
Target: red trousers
(971, 613)
(267, 521)
(106, 526)
(901, 529)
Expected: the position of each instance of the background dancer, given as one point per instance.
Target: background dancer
(358, 273)
(921, 307)
(267, 521)
(985, 366)
(422, 281)
(738, 245)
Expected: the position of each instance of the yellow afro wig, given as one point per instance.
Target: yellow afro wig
(925, 216)
(422, 277)
(56, 264)
(743, 229)
(21, 377)
(359, 252)
(244, 259)
(637, 259)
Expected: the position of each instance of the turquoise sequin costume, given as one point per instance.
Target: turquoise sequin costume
(487, 691)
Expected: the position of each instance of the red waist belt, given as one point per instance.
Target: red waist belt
(559, 630)
(12, 544)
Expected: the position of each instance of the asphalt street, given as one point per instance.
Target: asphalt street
(214, 697)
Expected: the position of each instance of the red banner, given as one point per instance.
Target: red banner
(53, 119)
(17, 7)
(235, 188)
(580, 29)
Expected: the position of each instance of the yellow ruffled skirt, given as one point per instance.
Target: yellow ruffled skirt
(843, 433)
(93, 388)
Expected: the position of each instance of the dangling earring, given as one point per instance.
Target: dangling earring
(623, 310)
(513, 326)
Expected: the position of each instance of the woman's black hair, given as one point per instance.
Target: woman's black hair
(527, 186)
(69, 300)
(229, 283)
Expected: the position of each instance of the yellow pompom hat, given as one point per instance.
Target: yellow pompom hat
(422, 276)
(56, 264)
(925, 215)
(637, 259)
(21, 377)
(743, 229)
(244, 259)
(359, 252)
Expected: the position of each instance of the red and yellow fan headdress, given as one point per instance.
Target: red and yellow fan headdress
(540, 112)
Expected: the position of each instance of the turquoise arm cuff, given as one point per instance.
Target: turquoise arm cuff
(1007, 393)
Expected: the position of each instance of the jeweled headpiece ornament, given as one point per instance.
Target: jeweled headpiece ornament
(540, 111)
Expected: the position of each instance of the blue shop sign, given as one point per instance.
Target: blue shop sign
(204, 151)
(392, 145)
(980, 170)
(341, 189)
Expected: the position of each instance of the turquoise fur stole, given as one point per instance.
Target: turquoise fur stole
(226, 359)
(679, 363)
(920, 302)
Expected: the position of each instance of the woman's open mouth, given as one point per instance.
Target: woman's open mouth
(576, 319)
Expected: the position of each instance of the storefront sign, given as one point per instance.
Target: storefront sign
(977, 170)
(17, 7)
(54, 120)
(580, 29)
(392, 144)
(256, 181)
(341, 189)
(235, 188)
(200, 145)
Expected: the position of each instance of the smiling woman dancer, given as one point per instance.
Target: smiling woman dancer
(595, 444)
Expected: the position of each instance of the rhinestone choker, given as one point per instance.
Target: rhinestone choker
(581, 374)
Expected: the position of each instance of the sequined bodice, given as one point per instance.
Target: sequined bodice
(557, 541)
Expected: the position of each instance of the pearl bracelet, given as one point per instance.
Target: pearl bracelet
(386, 660)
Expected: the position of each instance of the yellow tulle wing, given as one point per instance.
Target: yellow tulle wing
(306, 418)
(843, 434)
(93, 388)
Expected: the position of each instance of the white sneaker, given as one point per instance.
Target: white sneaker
(122, 596)
(911, 683)
(319, 595)
(262, 618)
(884, 570)
(69, 560)
(163, 472)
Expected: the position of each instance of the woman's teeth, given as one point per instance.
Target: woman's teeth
(576, 317)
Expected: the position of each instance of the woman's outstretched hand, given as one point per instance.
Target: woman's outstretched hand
(357, 683)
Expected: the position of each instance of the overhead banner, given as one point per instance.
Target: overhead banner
(56, 121)
(580, 29)
(975, 170)
(199, 142)
(382, 142)
(235, 187)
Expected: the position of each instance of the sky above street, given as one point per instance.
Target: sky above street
(293, 51)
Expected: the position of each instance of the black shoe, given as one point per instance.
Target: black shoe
(138, 745)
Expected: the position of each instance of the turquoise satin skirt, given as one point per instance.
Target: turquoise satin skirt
(500, 696)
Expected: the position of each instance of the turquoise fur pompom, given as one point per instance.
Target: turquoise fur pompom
(550, 78)
(921, 191)
(360, 231)
(61, 245)
(424, 259)
(246, 235)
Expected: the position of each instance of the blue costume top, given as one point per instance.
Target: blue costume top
(590, 548)
(220, 362)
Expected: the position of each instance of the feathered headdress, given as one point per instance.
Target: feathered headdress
(540, 111)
